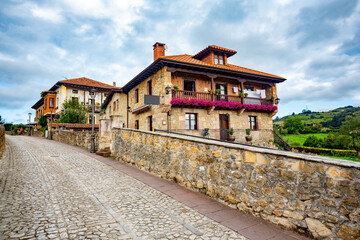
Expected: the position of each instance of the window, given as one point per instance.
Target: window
(189, 85)
(248, 88)
(219, 59)
(45, 104)
(51, 103)
(149, 85)
(252, 123)
(190, 121)
(136, 95)
(75, 91)
(137, 124)
(150, 123)
(90, 119)
(105, 94)
(114, 106)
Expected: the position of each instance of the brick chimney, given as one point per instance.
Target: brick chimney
(159, 50)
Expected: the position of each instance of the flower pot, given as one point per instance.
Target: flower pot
(231, 138)
(248, 138)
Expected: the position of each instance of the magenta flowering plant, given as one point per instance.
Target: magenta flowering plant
(183, 102)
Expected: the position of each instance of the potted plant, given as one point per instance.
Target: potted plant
(231, 137)
(217, 91)
(241, 94)
(176, 87)
(246, 94)
(210, 91)
(248, 137)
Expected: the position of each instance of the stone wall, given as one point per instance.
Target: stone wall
(311, 194)
(76, 138)
(2, 140)
(37, 133)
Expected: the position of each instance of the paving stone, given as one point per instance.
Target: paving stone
(78, 197)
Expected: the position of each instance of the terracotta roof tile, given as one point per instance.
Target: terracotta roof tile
(86, 82)
(190, 59)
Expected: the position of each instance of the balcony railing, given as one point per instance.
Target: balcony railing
(221, 97)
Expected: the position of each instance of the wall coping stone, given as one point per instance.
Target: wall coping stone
(302, 156)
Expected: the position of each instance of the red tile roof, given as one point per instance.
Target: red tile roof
(86, 82)
(190, 59)
(209, 48)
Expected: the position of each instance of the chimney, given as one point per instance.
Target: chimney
(114, 84)
(159, 50)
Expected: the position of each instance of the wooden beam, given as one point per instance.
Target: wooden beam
(171, 69)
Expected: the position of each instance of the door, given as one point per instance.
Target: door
(224, 125)
(189, 88)
(223, 91)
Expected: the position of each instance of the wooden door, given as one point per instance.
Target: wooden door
(224, 125)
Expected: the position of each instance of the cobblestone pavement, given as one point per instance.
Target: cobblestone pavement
(50, 191)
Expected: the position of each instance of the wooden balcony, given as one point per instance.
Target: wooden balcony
(181, 94)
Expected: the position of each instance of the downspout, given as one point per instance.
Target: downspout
(127, 110)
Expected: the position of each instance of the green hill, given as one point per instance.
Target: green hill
(329, 119)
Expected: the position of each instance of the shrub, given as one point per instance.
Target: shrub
(328, 152)
(313, 141)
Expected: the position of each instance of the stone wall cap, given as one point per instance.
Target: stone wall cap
(301, 156)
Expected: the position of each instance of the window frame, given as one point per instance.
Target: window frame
(189, 80)
(189, 127)
(149, 87)
(219, 59)
(136, 95)
(253, 123)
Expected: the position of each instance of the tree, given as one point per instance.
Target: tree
(73, 112)
(293, 124)
(351, 127)
(2, 121)
(42, 121)
(313, 141)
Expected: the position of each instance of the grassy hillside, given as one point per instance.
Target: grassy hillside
(300, 138)
(310, 118)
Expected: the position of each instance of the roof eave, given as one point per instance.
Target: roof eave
(160, 62)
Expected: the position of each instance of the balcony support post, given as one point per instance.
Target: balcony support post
(242, 91)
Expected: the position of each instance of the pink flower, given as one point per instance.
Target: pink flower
(221, 104)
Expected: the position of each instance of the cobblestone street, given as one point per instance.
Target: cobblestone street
(50, 191)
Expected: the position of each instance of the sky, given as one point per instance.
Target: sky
(315, 45)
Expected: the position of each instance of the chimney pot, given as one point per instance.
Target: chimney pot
(114, 84)
(159, 50)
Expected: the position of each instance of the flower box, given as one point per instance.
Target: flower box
(178, 102)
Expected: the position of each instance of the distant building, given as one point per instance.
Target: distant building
(77, 88)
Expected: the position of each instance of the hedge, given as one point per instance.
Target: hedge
(326, 151)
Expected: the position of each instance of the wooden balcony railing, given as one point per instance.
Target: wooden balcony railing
(229, 98)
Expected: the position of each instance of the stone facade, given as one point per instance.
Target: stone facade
(2, 140)
(166, 117)
(76, 138)
(306, 193)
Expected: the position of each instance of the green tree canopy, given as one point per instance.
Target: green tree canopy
(42, 121)
(313, 141)
(351, 127)
(293, 124)
(72, 112)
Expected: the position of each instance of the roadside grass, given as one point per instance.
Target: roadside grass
(300, 138)
(354, 159)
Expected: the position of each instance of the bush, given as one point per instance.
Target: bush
(313, 141)
(328, 152)
(8, 126)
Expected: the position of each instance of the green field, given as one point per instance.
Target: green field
(354, 159)
(300, 138)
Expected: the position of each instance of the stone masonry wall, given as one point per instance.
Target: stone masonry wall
(76, 138)
(2, 140)
(306, 193)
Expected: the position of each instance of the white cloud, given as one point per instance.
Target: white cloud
(48, 14)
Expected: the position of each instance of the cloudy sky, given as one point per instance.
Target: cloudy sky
(314, 44)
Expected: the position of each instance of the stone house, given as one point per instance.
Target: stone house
(197, 92)
(77, 88)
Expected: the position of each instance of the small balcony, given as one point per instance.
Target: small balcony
(181, 94)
